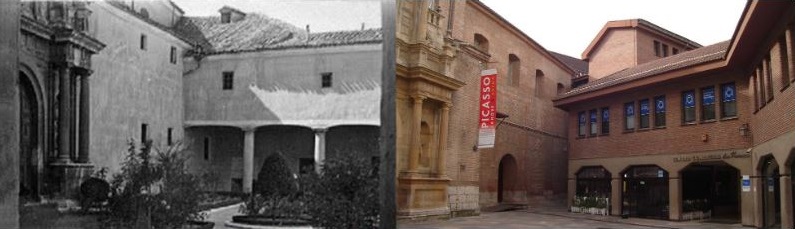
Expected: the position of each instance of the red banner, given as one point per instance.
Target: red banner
(487, 117)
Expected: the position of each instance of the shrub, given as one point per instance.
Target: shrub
(158, 188)
(275, 178)
(344, 195)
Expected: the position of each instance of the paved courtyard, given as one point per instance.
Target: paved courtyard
(546, 218)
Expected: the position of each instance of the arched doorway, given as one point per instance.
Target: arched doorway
(593, 181)
(771, 196)
(28, 141)
(714, 188)
(645, 192)
(507, 180)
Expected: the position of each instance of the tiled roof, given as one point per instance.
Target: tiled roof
(259, 32)
(173, 31)
(682, 60)
(580, 67)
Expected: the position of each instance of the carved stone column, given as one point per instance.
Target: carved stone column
(441, 162)
(64, 116)
(84, 115)
(416, 141)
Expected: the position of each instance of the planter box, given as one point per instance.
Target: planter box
(696, 215)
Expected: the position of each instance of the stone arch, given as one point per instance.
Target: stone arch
(514, 69)
(711, 186)
(769, 187)
(645, 191)
(593, 180)
(540, 83)
(508, 180)
(31, 136)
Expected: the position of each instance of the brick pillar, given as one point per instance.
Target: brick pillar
(441, 164)
(785, 186)
(615, 196)
(414, 153)
(320, 148)
(248, 159)
(674, 198)
(83, 141)
(65, 116)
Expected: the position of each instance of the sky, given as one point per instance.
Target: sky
(320, 15)
(569, 26)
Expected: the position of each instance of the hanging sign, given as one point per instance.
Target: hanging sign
(729, 93)
(644, 107)
(708, 96)
(689, 99)
(659, 104)
(593, 117)
(746, 183)
(487, 117)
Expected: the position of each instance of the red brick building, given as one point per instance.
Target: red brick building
(665, 128)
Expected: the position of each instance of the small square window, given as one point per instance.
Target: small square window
(592, 120)
(228, 80)
(143, 42)
(605, 120)
(326, 79)
(144, 132)
(665, 50)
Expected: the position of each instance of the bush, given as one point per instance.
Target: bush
(275, 178)
(155, 190)
(345, 195)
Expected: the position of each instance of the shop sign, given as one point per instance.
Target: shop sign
(711, 157)
(487, 115)
(746, 183)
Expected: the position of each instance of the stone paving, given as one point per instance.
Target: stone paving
(555, 218)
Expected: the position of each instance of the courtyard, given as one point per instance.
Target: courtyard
(555, 218)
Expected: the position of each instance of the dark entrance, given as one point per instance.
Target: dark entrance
(771, 196)
(28, 141)
(712, 187)
(645, 192)
(593, 181)
(506, 179)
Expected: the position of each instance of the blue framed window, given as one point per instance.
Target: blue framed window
(659, 111)
(629, 116)
(581, 124)
(593, 121)
(708, 103)
(605, 120)
(688, 107)
(728, 101)
(644, 113)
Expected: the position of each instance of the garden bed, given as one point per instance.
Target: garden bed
(213, 200)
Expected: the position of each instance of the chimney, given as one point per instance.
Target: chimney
(362, 25)
(231, 15)
(307, 29)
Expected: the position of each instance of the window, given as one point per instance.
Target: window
(173, 55)
(206, 148)
(674, 51)
(228, 80)
(481, 43)
(728, 101)
(581, 124)
(659, 111)
(629, 116)
(755, 85)
(226, 17)
(513, 69)
(657, 51)
(540, 82)
(561, 88)
(760, 87)
(605, 120)
(707, 103)
(325, 80)
(784, 60)
(592, 118)
(169, 137)
(144, 132)
(688, 106)
(665, 50)
(143, 42)
(768, 78)
(306, 165)
(644, 114)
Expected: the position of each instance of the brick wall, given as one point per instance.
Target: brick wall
(776, 117)
(675, 138)
(532, 118)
